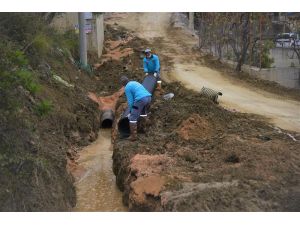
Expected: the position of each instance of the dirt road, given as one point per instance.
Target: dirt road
(178, 45)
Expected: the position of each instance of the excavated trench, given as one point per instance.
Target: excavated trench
(95, 181)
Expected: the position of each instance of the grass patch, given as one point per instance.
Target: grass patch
(44, 108)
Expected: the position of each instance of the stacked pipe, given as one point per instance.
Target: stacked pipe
(149, 83)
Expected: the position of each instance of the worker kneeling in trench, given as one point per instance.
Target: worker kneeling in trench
(138, 100)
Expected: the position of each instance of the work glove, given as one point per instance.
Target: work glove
(146, 74)
(155, 74)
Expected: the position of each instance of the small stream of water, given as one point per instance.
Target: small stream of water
(96, 186)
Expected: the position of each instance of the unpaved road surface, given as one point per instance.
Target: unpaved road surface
(178, 45)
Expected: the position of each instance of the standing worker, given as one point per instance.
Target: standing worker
(152, 66)
(138, 100)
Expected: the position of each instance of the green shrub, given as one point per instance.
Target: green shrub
(26, 79)
(18, 58)
(266, 60)
(14, 70)
(44, 108)
(228, 55)
(42, 44)
(70, 41)
(264, 53)
(21, 27)
(33, 87)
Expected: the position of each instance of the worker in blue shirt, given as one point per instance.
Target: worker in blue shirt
(152, 66)
(138, 100)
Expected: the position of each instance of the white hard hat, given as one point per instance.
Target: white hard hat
(147, 50)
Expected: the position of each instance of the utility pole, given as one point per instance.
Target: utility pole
(82, 40)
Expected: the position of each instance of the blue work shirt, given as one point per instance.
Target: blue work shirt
(134, 91)
(151, 65)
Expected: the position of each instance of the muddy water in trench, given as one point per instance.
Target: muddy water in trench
(95, 182)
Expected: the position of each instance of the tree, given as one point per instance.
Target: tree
(296, 47)
(240, 29)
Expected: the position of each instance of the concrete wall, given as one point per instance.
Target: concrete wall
(65, 21)
(95, 39)
(285, 76)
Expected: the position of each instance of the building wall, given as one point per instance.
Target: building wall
(65, 21)
(95, 39)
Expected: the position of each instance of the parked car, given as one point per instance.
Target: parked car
(286, 40)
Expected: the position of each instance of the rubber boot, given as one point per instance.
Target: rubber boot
(133, 131)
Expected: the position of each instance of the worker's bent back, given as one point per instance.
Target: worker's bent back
(134, 92)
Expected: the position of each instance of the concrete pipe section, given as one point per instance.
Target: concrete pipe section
(107, 118)
(149, 83)
(107, 106)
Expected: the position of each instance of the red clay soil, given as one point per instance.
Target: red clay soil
(115, 51)
(195, 127)
(148, 182)
(118, 53)
(114, 44)
(107, 102)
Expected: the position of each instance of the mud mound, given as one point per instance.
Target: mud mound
(195, 127)
(145, 165)
(148, 180)
(218, 160)
(143, 190)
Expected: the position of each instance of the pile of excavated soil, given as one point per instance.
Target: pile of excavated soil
(195, 127)
(197, 156)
